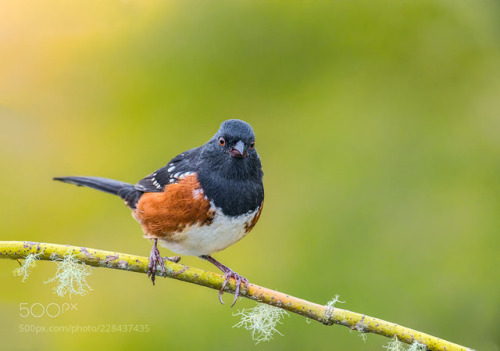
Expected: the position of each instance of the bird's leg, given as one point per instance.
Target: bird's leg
(154, 260)
(228, 274)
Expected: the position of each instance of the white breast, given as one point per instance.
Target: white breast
(224, 231)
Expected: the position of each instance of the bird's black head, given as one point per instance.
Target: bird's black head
(232, 150)
(236, 138)
(230, 171)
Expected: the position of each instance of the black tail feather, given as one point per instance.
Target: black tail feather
(125, 190)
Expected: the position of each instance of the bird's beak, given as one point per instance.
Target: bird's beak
(238, 150)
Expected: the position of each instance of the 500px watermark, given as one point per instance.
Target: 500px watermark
(95, 328)
(38, 310)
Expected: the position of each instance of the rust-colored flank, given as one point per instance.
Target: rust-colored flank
(250, 224)
(165, 213)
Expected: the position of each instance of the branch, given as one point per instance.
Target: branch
(327, 315)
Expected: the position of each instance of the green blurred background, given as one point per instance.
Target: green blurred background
(377, 123)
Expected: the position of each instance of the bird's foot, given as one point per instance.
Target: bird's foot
(228, 274)
(174, 259)
(154, 260)
(239, 279)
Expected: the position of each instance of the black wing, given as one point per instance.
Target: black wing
(178, 166)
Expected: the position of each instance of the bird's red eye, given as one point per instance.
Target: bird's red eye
(252, 145)
(222, 141)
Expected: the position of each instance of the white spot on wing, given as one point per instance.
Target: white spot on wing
(155, 182)
(170, 169)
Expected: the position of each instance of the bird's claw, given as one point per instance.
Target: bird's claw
(238, 280)
(154, 260)
(174, 259)
(228, 274)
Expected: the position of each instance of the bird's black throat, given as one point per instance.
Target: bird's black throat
(234, 184)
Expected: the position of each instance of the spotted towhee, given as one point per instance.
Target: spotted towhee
(201, 202)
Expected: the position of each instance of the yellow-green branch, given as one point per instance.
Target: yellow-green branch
(327, 315)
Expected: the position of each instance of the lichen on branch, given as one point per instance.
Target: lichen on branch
(71, 276)
(261, 321)
(25, 269)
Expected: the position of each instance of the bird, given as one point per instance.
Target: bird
(202, 201)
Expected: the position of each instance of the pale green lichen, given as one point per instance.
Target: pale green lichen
(261, 321)
(71, 276)
(27, 266)
(330, 307)
(396, 345)
(417, 346)
(333, 301)
(362, 328)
